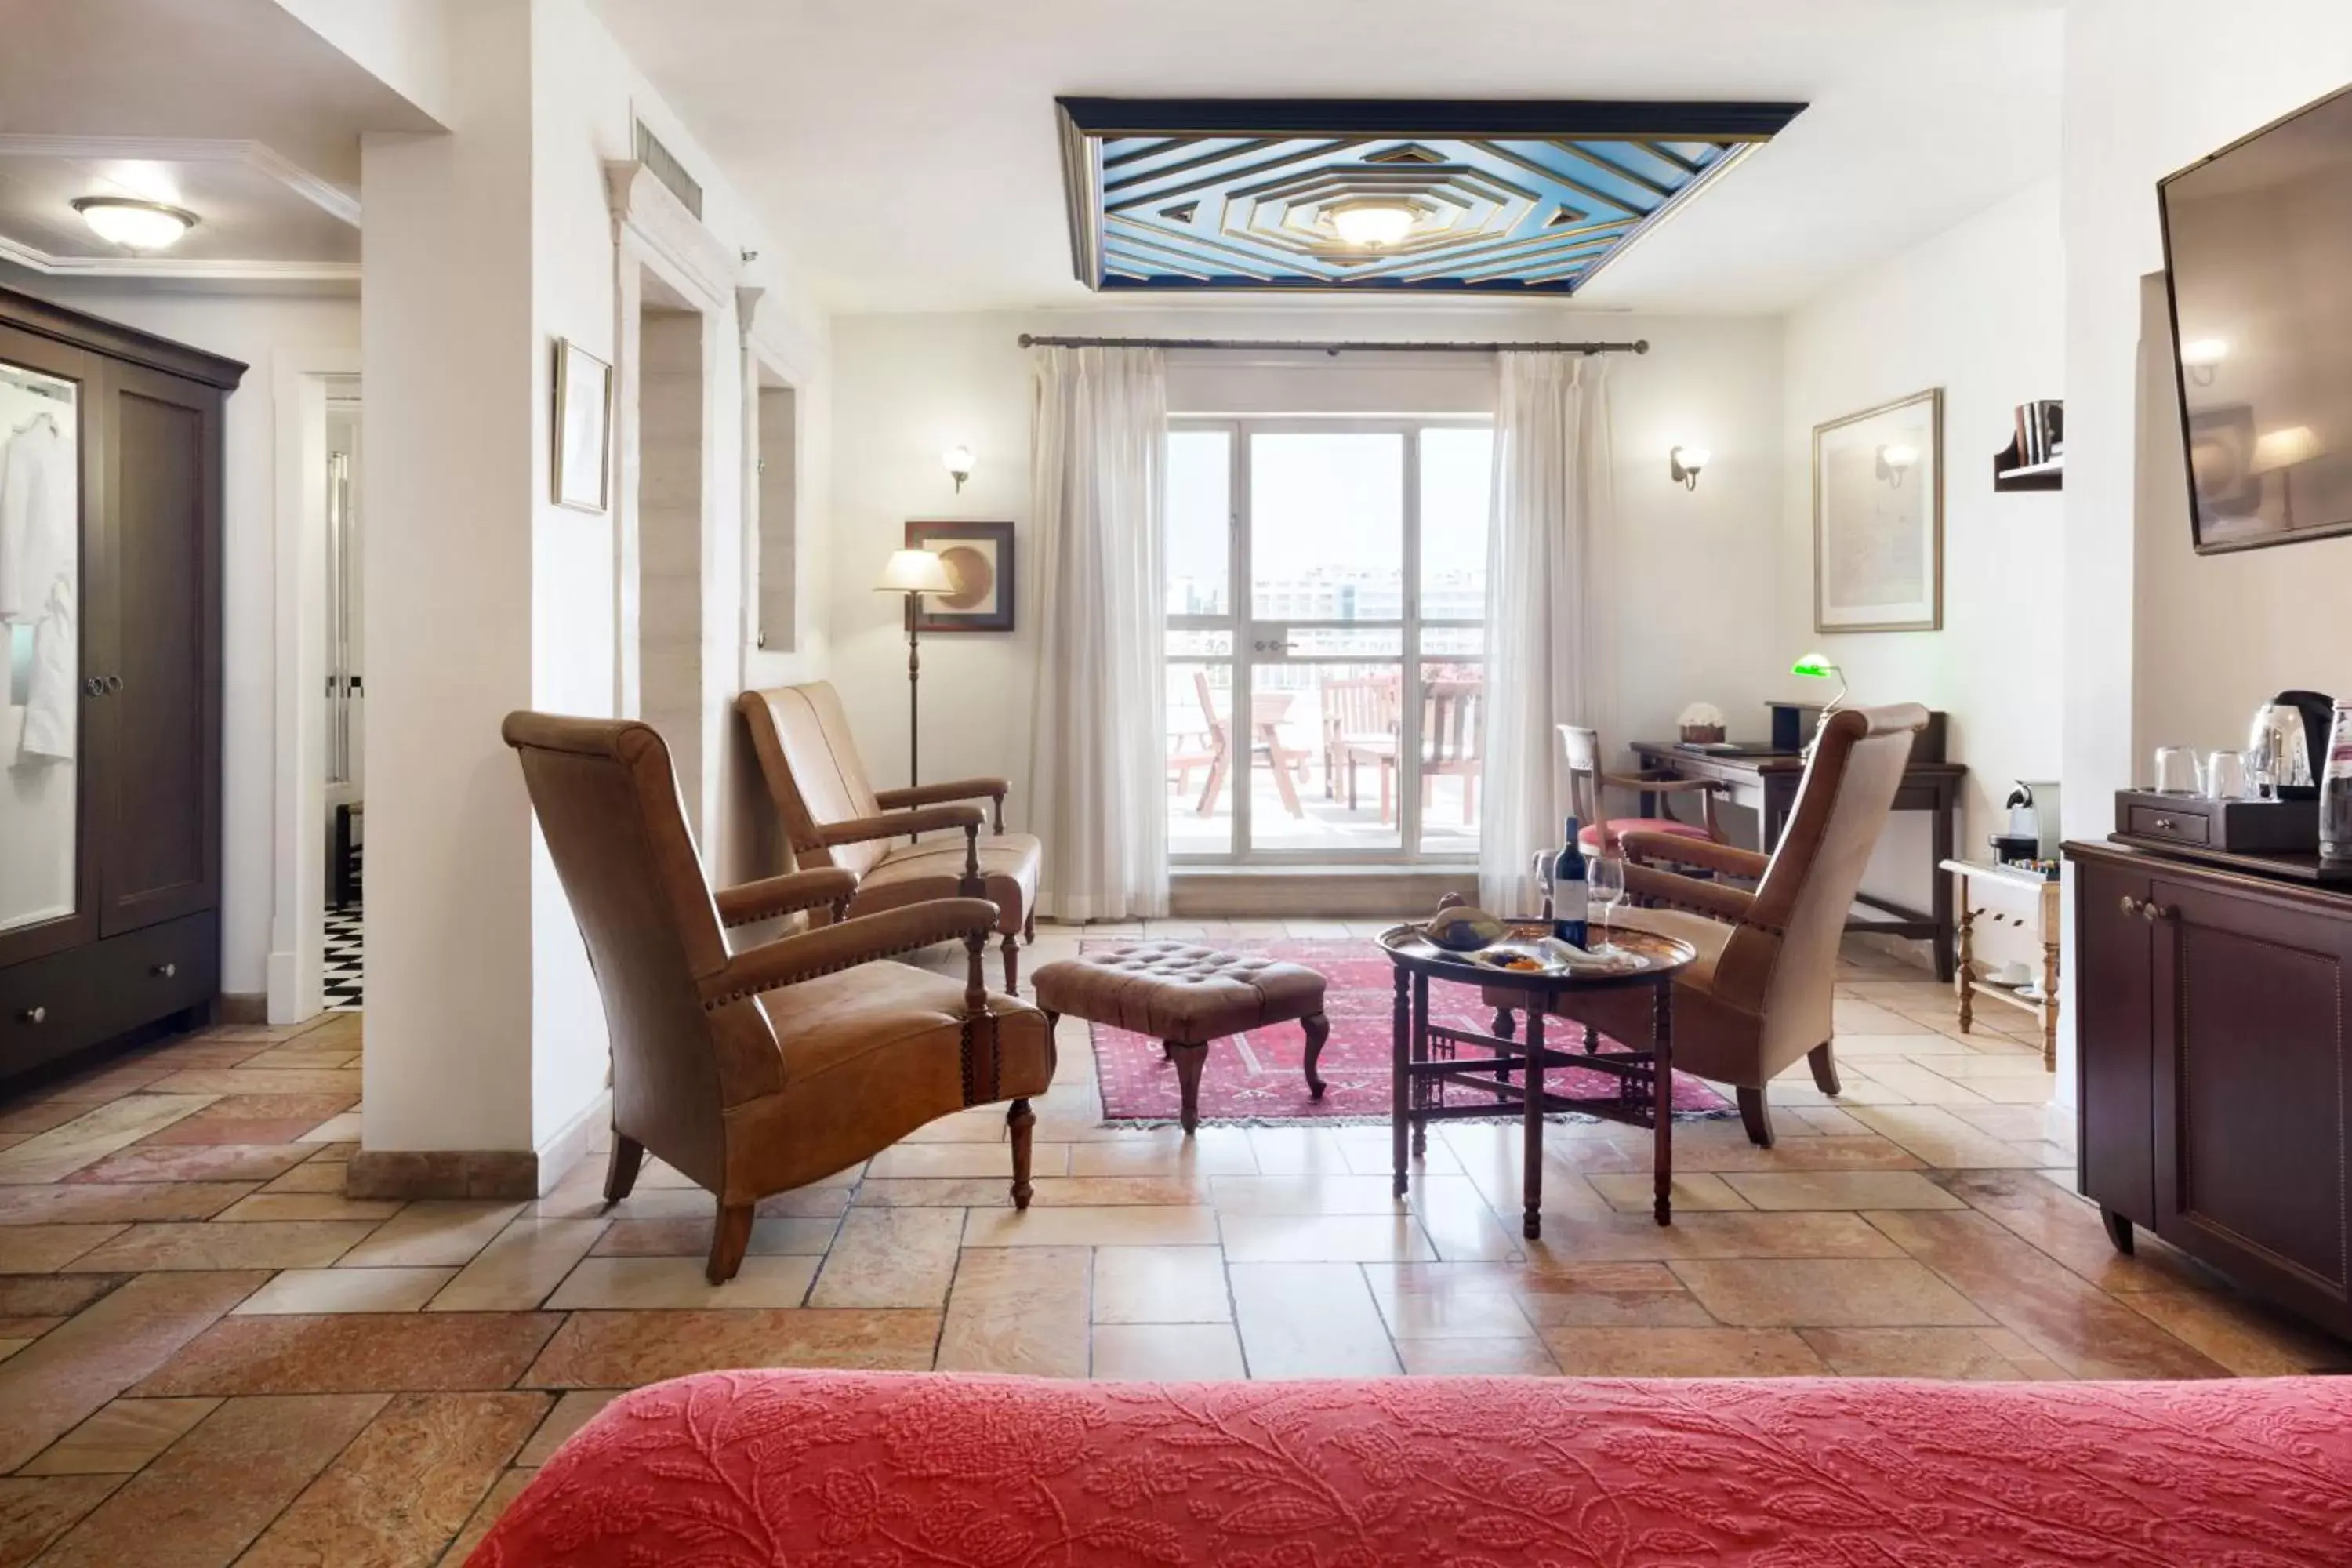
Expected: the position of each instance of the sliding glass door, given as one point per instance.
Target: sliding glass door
(1326, 586)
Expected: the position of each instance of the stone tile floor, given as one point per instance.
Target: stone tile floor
(209, 1355)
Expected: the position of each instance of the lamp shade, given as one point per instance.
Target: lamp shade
(2287, 449)
(914, 571)
(1817, 665)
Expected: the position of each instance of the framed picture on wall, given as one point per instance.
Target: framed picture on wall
(1878, 518)
(582, 462)
(979, 561)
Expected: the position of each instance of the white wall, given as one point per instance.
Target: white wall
(485, 1031)
(1980, 312)
(1693, 589)
(262, 331)
(2152, 85)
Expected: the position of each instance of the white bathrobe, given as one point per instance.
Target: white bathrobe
(38, 567)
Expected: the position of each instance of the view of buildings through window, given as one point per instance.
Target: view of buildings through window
(1364, 718)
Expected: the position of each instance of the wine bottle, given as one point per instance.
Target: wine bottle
(2336, 789)
(1569, 899)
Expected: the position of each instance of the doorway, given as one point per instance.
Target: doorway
(1327, 587)
(669, 388)
(342, 948)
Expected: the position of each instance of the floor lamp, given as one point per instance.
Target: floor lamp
(913, 572)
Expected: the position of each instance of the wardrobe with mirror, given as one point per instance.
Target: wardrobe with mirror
(111, 711)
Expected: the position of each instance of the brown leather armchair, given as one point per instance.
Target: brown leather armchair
(758, 1071)
(1761, 995)
(834, 817)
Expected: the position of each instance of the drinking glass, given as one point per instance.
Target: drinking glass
(1605, 877)
(2176, 770)
(2225, 776)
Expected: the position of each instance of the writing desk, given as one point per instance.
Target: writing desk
(1765, 782)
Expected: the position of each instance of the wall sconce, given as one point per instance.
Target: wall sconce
(1682, 463)
(959, 464)
(1895, 461)
(2200, 357)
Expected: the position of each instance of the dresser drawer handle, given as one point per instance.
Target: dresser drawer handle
(2153, 911)
(2165, 824)
(33, 1016)
(2130, 905)
(164, 971)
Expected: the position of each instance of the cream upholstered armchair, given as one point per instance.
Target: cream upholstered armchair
(1761, 995)
(834, 817)
(758, 1071)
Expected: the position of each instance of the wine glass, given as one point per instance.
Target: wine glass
(1604, 877)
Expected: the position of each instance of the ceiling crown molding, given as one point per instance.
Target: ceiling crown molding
(263, 159)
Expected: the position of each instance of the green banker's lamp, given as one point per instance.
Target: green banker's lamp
(1820, 667)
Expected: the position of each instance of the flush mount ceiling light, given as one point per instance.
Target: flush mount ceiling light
(135, 225)
(1374, 225)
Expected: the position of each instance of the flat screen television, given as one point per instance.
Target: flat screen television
(2258, 257)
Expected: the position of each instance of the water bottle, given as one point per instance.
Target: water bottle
(1569, 901)
(2335, 788)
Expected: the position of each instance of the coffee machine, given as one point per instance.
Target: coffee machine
(2290, 734)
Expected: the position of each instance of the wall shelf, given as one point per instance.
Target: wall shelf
(2036, 458)
(2009, 476)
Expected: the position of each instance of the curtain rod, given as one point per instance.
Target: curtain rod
(1640, 346)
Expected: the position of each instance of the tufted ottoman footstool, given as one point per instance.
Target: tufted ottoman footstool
(1185, 996)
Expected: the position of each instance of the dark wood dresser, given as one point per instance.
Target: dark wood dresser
(2214, 1087)
(110, 811)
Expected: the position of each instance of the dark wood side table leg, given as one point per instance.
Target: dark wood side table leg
(1663, 1134)
(1420, 1054)
(1940, 850)
(2119, 1230)
(1531, 1169)
(1401, 1048)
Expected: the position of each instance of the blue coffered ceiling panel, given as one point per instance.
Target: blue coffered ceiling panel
(1507, 198)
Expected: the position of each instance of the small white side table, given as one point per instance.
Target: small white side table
(2013, 890)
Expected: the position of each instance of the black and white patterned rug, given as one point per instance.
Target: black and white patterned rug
(343, 967)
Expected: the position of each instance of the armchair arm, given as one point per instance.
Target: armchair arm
(788, 894)
(791, 959)
(1721, 899)
(923, 819)
(993, 789)
(1652, 848)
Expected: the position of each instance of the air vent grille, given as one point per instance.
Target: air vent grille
(666, 168)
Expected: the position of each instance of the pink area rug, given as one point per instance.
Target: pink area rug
(1257, 1075)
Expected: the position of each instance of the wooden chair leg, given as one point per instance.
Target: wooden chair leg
(1011, 947)
(1021, 1123)
(1318, 1029)
(1188, 1058)
(621, 1174)
(1756, 1114)
(1029, 926)
(1824, 1065)
(1214, 787)
(728, 1238)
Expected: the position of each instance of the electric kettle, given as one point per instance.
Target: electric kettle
(2290, 734)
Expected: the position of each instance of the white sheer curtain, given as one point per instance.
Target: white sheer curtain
(1544, 654)
(1097, 758)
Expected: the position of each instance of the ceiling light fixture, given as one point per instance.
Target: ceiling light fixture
(1374, 225)
(134, 225)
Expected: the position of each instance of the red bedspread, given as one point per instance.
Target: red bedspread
(879, 1470)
